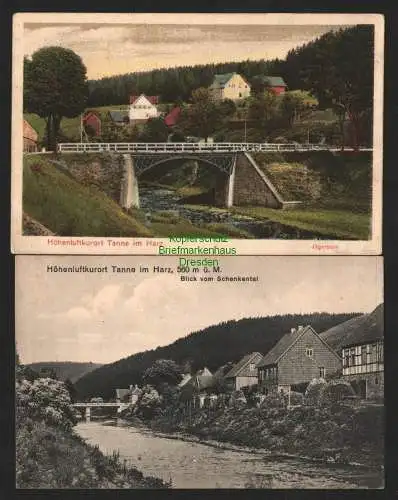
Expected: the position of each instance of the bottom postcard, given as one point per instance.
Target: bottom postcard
(244, 372)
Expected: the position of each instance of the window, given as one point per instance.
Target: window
(374, 354)
(381, 353)
(252, 367)
(368, 354)
(363, 355)
(358, 355)
(309, 351)
(351, 361)
(322, 372)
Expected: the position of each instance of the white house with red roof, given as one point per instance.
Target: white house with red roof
(143, 107)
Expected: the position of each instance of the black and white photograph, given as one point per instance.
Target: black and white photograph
(247, 372)
(262, 128)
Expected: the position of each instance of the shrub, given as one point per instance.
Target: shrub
(335, 391)
(237, 399)
(44, 399)
(275, 400)
(314, 390)
(296, 398)
(149, 403)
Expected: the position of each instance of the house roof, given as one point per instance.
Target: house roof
(118, 116)
(153, 99)
(201, 382)
(358, 330)
(89, 114)
(222, 79)
(203, 379)
(29, 132)
(122, 393)
(279, 349)
(241, 369)
(223, 370)
(273, 81)
(185, 379)
(172, 117)
(204, 371)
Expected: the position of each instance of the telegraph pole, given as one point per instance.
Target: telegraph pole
(81, 127)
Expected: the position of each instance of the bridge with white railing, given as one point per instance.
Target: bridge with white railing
(87, 407)
(242, 180)
(194, 147)
(95, 405)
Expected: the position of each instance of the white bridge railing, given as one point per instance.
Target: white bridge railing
(190, 147)
(92, 405)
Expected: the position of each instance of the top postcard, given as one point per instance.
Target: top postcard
(197, 134)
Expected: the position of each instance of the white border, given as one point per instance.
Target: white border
(39, 244)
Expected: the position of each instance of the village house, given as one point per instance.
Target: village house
(229, 86)
(118, 117)
(274, 84)
(128, 396)
(297, 358)
(363, 356)
(244, 373)
(142, 108)
(171, 118)
(198, 387)
(92, 120)
(30, 138)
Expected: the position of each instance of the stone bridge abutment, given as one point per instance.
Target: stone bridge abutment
(243, 182)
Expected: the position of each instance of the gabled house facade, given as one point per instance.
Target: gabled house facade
(92, 120)
(142, 108)
(198, 387)
(229, 86)
(298, 357)
(128, 396)
(122, 395)
(30, 137)
(244, 373)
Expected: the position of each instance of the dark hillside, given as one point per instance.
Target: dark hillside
(65, 369)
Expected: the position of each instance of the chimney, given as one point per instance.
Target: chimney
(292, 330)
(300, 328)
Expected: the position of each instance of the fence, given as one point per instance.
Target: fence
(190, 147)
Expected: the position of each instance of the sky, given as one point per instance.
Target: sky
(106, 317)
(111, 49)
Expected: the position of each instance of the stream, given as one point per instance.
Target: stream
(154, 200)
(197, 465)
